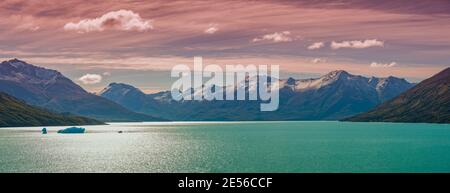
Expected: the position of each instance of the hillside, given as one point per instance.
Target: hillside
(50, 89)
(428, 101)
(16, 113)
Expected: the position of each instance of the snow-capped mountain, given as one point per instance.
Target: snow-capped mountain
(333, 96)
(50, 89)
(125, 95)
(386, 88)
(428, 101)
(16, 70)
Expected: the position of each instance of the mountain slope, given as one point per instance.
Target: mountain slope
(333, 96)
(16, 113)
(52, 90)
(428, 101)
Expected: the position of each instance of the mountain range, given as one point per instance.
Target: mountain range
(51, 90)
(333, 96)
(16, 113)
(43, 96)
(428, 101)
(33, 95)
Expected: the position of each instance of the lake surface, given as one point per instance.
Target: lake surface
(230, 147)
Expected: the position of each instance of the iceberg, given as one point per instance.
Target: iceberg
(72, 130)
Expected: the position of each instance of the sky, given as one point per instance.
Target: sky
(138, 42)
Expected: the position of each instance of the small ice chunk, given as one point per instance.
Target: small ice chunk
(72, 130)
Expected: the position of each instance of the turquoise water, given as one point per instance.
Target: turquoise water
(230, 147)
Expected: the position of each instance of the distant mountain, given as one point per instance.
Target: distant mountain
(333, 96)
(16, 113)
(428, 101)
(51, 90)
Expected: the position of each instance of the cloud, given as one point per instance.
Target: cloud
(124, 20)
(275, 37)
(381, 65)
(211, 29)
(28, 27)
(316, 45)
(318, 60)
(90, 79)
(357, 44)
(35, 28)
(25, 23)
(106, 73)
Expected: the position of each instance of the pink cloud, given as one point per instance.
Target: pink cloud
(357, 44)
(125, 20)
(213, 28)
(381, 65)
(318, 60)
(90, 79)
(275, 37)
(414, 39)
(316, 45)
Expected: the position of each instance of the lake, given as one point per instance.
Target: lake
(297, 146)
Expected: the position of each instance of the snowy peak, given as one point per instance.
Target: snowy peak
(16, 63)
(120, 89)
(19, 71)
(316, 83)
(343, 77)
(337, 74)
(119, 86)
(334, 76)
(392, 82)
